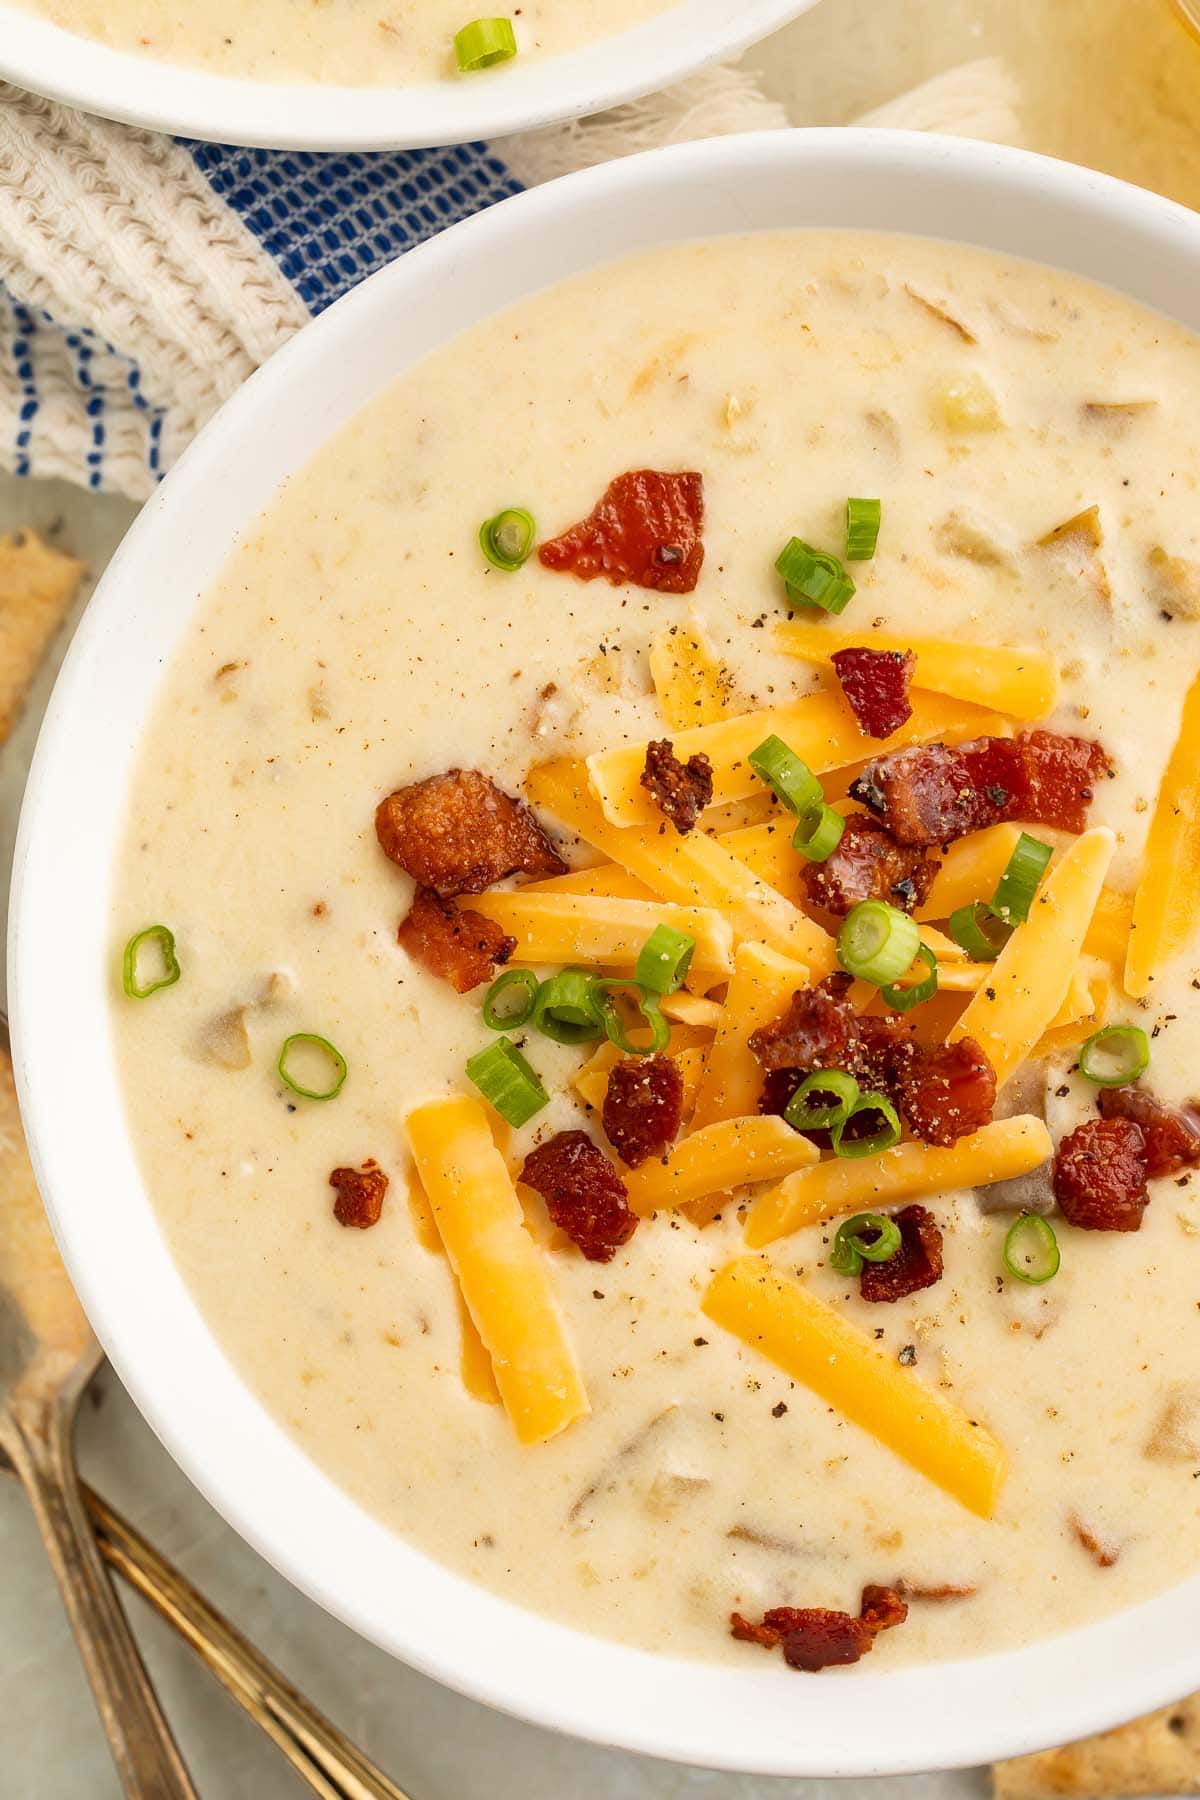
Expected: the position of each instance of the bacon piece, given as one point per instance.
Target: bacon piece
(680, 790)
(815, 1637)
(360, 1194)
(1171, 1133)
(869, 864)
(917, 1263)
(645, 529)
(777, 1091)
(643, 1106)
(881, 1051)
(1100, 1175)
(932, 794)
(876, 683)
(1102, 1554)
(946, 1091)
(584, 1195)
(815, 1032)
(459, 946)
(457, 833)
(933, 1595)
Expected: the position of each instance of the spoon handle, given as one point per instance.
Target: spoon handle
(331, 1765)
(38, 1440)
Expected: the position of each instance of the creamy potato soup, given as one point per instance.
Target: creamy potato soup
(356, 42)
(857, 1275)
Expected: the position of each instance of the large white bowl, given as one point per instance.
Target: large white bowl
(307, 116)
(757, 1718)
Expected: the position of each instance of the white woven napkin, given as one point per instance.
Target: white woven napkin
(143, 278)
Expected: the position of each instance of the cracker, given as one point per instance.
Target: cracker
(37, 586)
(1156, 1755)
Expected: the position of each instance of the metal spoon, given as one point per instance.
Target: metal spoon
(47, 1357)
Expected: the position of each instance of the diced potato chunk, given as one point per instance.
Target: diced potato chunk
(966, 403)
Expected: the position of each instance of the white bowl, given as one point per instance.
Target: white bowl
(758, 1718)
(306, 116)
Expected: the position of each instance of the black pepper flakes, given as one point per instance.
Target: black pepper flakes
(908, 1355)
(778, 1410)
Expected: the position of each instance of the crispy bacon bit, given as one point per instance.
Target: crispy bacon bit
(933, 1595)
(457, 945)
(680, 790)
(457, 833)
(777, 1091)
(645, 529)
(881, 1050)
(360, 1194)
(876, 683)
(1104, 1555)
(917, 1263)
(814, 1637)
(1100, 1175)
(815, 1032)
(932, 794)
(584, 1195)
(869, 864)
(946, 1091)
(1171, 1133)
(643, 1105)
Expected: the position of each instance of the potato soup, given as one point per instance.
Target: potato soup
(354, 42)
(676, 833)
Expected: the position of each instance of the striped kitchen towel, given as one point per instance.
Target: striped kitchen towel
(143, 278)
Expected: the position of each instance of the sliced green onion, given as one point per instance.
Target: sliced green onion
(1115, 1055)
(510, 1016)
(903, 999)
(819, 833)
(1031, 1250)
(813, 577)
(660, 1030)
(328, 1052)
(873, 1142)
(863, 518)
(1019, 882)
(977, 930)
(565, 1008)
(131, 974)
(507, 540)
(482, 43)
(877, 942)
(507, 1082)
(851, 1247)
(810, 1108)
(664, 960)
(788, 774)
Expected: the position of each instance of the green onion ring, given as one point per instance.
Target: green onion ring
(507, 1082)
(788, 775)
(164, 937)
(664, 960)
(507, 539)
(565, 1008)
(801, 1115)
(1031, 1250)
(849, 1250)
(819, 833)
(977, 930)
(877, 942)
(660, 1030)
(876, 1142)
(863, 519)
(1115, 1055)
(903, 999)
(330, 1050)
(527, 981)
(813, 577)
(1019, 882)
(482, 43)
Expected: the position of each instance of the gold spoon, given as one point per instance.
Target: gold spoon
(48, 1355)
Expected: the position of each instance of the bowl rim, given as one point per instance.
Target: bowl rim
(188, 102)
(758, 1720)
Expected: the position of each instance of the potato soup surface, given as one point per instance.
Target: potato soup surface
(357, 641)
(354, 42)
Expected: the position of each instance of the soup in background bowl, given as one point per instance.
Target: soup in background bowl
(672, 1400)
